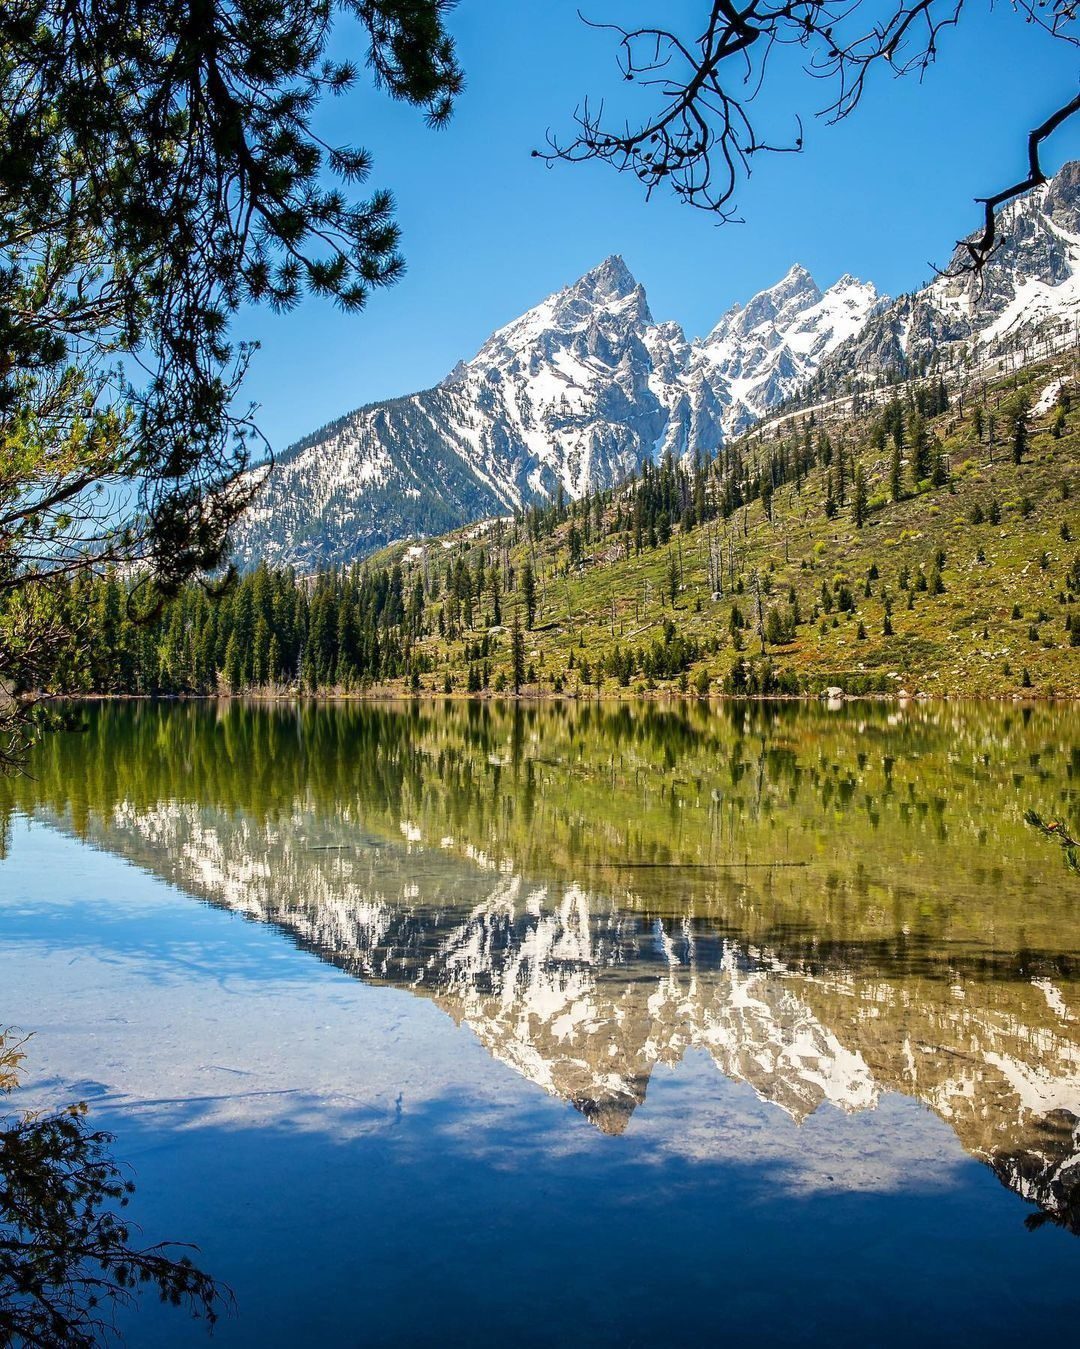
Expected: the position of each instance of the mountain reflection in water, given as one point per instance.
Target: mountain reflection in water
(831, 906)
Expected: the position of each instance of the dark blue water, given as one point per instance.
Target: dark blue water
(400, 1090)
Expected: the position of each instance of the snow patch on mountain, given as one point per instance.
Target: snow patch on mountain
(1025, 300)
(573, 395)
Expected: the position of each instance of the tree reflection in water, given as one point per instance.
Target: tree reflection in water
(832, 907)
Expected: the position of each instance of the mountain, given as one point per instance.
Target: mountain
(760, 352)
(1026, 299)
(586, 386)
(573, 395)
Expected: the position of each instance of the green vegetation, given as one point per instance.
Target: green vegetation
(905, 828)
(927, 545)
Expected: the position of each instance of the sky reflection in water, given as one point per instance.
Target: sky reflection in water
(592, 911)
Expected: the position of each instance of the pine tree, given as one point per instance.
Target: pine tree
(895, 479)
(528, 594)
(496, 597)
(859, 498)
(234, 658)
(919, 441)
(517, 654)
(1016, 420)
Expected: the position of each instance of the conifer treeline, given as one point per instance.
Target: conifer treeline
(364, 626)
(341, 630)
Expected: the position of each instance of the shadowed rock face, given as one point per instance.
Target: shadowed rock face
(795, 982)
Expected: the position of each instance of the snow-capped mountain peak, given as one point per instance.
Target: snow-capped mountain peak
(611, 281)
(574, 394)
(762, 352)
(586, 385)
(607, 299)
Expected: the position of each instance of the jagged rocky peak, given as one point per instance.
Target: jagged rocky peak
(795, 304)
(760, 309)
(456, 376)
(1061, 201)
(1026, 296)
(611, 280)
(608, 291)
(796, 290)
(762, 352)
(593, 320)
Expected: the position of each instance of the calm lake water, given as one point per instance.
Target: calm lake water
(459, 1024)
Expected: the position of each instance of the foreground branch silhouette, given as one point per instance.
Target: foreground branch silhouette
(67, 1257)
(698, 134)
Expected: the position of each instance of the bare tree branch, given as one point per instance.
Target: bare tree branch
(698, 138)
(980, 249)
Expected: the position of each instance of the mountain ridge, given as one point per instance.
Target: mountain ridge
(572, 395)
(1027, 294)
(586, 386)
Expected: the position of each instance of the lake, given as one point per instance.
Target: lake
(448, 1023)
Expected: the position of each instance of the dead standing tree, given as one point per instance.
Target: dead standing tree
(697, 137)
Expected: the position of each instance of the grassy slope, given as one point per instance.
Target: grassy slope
(962, 641)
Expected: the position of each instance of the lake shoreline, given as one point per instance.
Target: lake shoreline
(621, 696)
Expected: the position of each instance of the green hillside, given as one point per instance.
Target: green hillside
(965, 580)
(926, 540)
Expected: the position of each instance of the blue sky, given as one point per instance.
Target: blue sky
(488, 231)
